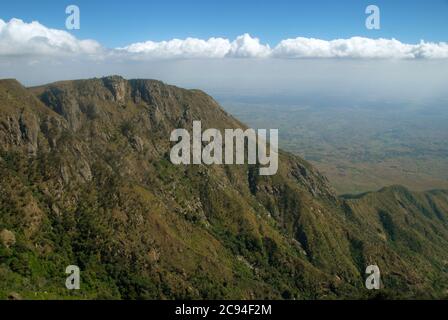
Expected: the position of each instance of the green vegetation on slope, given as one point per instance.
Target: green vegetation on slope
(86, 180)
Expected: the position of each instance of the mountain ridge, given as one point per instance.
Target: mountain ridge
(87, 180)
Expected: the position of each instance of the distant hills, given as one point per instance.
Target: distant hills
(86, 180)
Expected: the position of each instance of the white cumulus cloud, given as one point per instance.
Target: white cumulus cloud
(358, 47)
(18, 38)
(243, 46)
(431, 50)
(247, 47)
(176, 48)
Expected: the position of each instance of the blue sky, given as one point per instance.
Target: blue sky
(236, 63)
(118, 23)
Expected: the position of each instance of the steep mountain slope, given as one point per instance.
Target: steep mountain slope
(86, 179)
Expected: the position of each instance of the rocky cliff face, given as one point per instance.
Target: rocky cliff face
(86, 180)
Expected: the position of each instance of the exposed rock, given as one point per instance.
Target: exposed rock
(117, 85)
(14, 296)
(137, 143)
(99, 182)
(7, 238)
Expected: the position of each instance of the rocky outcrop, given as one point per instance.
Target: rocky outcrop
(7, 238)
(86, 178)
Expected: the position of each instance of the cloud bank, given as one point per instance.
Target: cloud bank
(243, 46)
(18, 38)
(358, 47)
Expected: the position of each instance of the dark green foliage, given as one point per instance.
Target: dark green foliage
(97, 189)
(388, 224)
